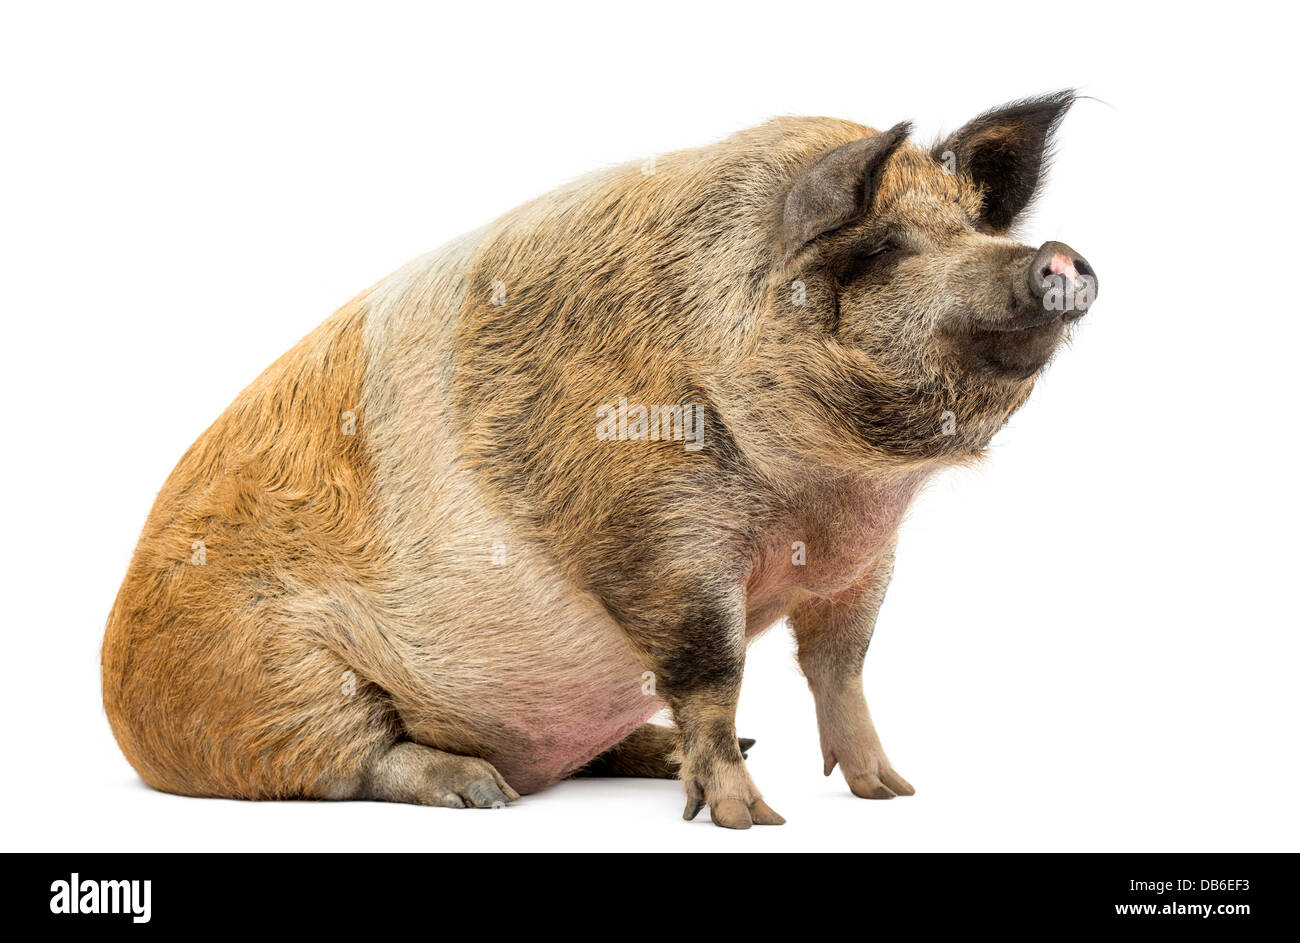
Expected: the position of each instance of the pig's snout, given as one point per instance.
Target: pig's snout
(1061, 280)
(1050, 288)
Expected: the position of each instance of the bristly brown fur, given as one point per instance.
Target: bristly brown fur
(217, 667)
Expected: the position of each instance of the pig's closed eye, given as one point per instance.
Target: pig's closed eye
(862, 262)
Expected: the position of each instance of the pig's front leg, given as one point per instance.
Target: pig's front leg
(833, 635)
(698, 671)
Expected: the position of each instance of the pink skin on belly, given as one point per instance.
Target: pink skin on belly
(570, 745)
(569, 709)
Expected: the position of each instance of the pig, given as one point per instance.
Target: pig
(482, 525)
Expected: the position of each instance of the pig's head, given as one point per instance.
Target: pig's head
(923, 322)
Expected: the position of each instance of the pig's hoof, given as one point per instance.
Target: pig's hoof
(884, 785)
(473, 784)
(410, 772)
(733, 813)
(764, 814)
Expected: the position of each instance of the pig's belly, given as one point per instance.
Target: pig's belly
(547, 747)
(541, 700)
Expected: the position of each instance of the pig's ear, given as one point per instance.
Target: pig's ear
(839, 188)
(1004, 152)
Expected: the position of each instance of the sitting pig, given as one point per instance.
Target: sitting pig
(470, 534)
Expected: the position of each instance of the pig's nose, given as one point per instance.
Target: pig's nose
(1062, 279)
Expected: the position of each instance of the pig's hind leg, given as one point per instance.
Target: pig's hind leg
(652, 751)
(411, 772)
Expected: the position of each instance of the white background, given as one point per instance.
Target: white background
(1091, 641)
